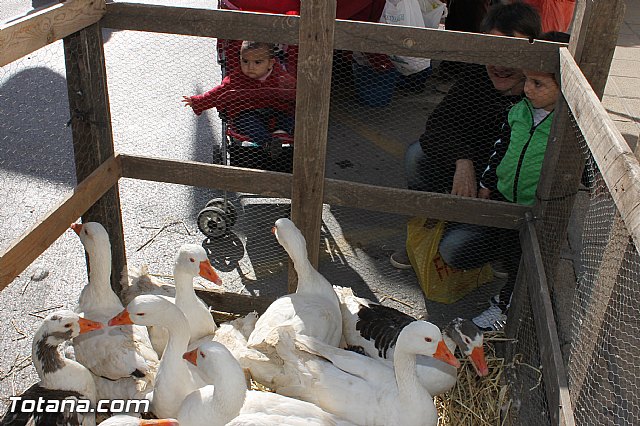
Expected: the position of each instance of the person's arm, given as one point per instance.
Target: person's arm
(451, 129)
(489, 179)
(207, 100)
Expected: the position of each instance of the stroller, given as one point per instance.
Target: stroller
(236, 149)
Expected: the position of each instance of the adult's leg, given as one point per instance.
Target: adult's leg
(466, 246)
(510, 257)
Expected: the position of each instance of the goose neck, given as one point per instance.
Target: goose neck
(417, 403)
(184, 287)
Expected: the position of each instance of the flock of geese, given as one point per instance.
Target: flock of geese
(330, 357)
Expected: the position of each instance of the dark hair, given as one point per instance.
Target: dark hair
(516, 17)
(257, 45)
(557, 36)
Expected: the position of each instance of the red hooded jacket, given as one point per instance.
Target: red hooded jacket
(238, 93)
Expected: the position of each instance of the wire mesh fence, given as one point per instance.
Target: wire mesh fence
(386, 128)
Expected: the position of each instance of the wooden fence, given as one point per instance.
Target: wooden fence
(96, 197)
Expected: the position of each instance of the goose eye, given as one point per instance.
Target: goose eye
(428, 339)
(192, 260)
(202, 355)
(467, 340)
(67, 326)
(141, 314)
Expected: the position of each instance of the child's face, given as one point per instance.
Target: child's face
(541, 89)
(256, 63)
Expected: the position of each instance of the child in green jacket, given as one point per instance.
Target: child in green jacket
(513, 172)
(514, 168)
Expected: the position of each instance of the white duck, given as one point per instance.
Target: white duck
(190, 261)
(124, 420)
(122, 354)
(174, 380)
(227, 399)
(60, 378)
(361, 389)
(313, 309)
(375, 328)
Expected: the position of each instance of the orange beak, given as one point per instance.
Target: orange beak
(208, 273)
(444, 354)
(88, 325)
(164, 422)
(122, 318)
(478, 361)
(191, 356)
(77, 227)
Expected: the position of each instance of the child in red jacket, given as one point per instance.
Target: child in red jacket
(259, 99)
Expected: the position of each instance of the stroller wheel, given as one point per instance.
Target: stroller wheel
(230, 210)
(212, 222)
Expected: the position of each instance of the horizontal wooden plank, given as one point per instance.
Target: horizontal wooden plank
(191, 173)
(555, 376)
(36, 240)
(226, 24)
(617, 163)
(349, 35)
(449, 45)
(338, 192)
(29, 33)
(426, 204)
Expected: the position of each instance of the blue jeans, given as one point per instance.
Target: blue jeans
(463, 246)
(258, 124)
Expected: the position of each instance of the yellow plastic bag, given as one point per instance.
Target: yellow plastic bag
(439, 281)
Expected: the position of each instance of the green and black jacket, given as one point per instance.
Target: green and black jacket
(514, 167)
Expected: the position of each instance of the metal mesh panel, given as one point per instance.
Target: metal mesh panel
(376, 115)
(603, 375)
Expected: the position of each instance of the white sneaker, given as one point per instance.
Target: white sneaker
(492, 319)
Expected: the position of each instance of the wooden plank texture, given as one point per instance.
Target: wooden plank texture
(91, 131)
(448, 45)
(227, 24)
(315, 61)
(36, 240)
(617, 163)
(338, 192)
(28, 34)
(555, 377)
(349, 35)
(238, 179)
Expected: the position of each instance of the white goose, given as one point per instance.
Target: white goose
(124, 420)
(375, 328)
(174, 380)
(61, 379)
(123, 354)
(227, 400)
(190, 261)
(361, 389)
(313, 310)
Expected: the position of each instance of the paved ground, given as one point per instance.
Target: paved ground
(145, 84)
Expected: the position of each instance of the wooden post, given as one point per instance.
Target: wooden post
(317, 20)
(91, 129)
(555, 377)
(595, 30)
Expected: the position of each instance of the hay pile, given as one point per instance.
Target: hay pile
(474, 400)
